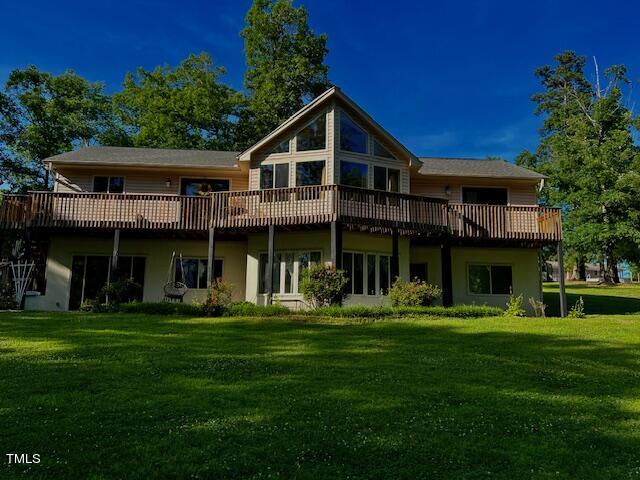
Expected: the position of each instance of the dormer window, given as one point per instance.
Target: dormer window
(352, 137)
(380, 150)
(313, 136)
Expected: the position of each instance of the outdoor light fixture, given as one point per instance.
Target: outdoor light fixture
(168, 182)
(447, 190)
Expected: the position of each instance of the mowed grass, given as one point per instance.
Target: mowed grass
(143, 397)
(598, 299)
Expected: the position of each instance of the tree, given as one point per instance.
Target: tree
(587, 151)
(42, 115)
(185, 107)
(285, 65)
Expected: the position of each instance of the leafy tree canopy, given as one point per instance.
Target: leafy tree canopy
(587, 151)
(43, 115)
(185, 107)
(285, 65)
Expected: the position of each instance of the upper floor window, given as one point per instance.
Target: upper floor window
(380, 150)
(107, 184)
(352, 137)
(485, 195)
(274, 176)
(282, 147)
(313, 136)
(354, 174)
(194, 187)
(310, 173)
(386, 179)
(490, 279)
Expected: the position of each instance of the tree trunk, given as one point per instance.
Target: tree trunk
(612, 269)
(582, 268)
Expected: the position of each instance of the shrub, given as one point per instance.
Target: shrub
(514, 307)
(218, 297)
(247, 309)
(364, 311)
(323, 285)
(121, 291)
(577, 311)
(7, 296)
(413, 294)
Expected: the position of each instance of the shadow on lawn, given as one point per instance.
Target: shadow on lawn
(593, 304)
(153, 398)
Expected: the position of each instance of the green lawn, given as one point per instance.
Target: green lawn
(598, 299)
(116, 396)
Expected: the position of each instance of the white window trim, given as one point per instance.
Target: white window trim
(295, 278)
(365, 273)
(386, 169)
(485, 264)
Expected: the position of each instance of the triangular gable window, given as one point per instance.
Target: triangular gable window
(282, 147)
(380, 150)
(352, 137)
(313, 136)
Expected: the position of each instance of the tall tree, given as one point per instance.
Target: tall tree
(182, 107)
(43, 115)
(587, 151)
(285, 64)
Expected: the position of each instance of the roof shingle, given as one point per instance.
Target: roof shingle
(468, 167)
(160, 157)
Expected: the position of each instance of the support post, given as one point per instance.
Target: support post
(395, 259)
(336, 244)
(116, 250)
(270, 257)
(447, 278)
(211, 256)
(561, 290)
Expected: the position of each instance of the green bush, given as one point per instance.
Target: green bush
(7, 296)
(218, 298)
(413, 294)
(514, 307)
(323, 285)
(364, 311)
(247, 309)
(577, 311)
(121, 291)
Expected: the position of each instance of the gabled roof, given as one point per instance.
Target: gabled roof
(470, 167)
(318, 102)
(151, 157)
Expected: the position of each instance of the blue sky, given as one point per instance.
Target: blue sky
(446, 78)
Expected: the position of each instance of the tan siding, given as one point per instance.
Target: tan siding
(141, 181)
(264, 157)
(520, 192)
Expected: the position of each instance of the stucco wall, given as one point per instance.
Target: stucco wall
(320, 240)
(525, 274)
(158, 255)
(524, 263)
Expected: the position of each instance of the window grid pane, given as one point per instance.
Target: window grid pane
(352, 137)
(313, 136)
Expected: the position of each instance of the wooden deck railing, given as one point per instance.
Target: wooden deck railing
(505, 222)
(318, 204)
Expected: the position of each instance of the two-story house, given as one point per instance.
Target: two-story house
(328, 185)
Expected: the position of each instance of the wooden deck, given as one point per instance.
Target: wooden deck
(293, 207)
